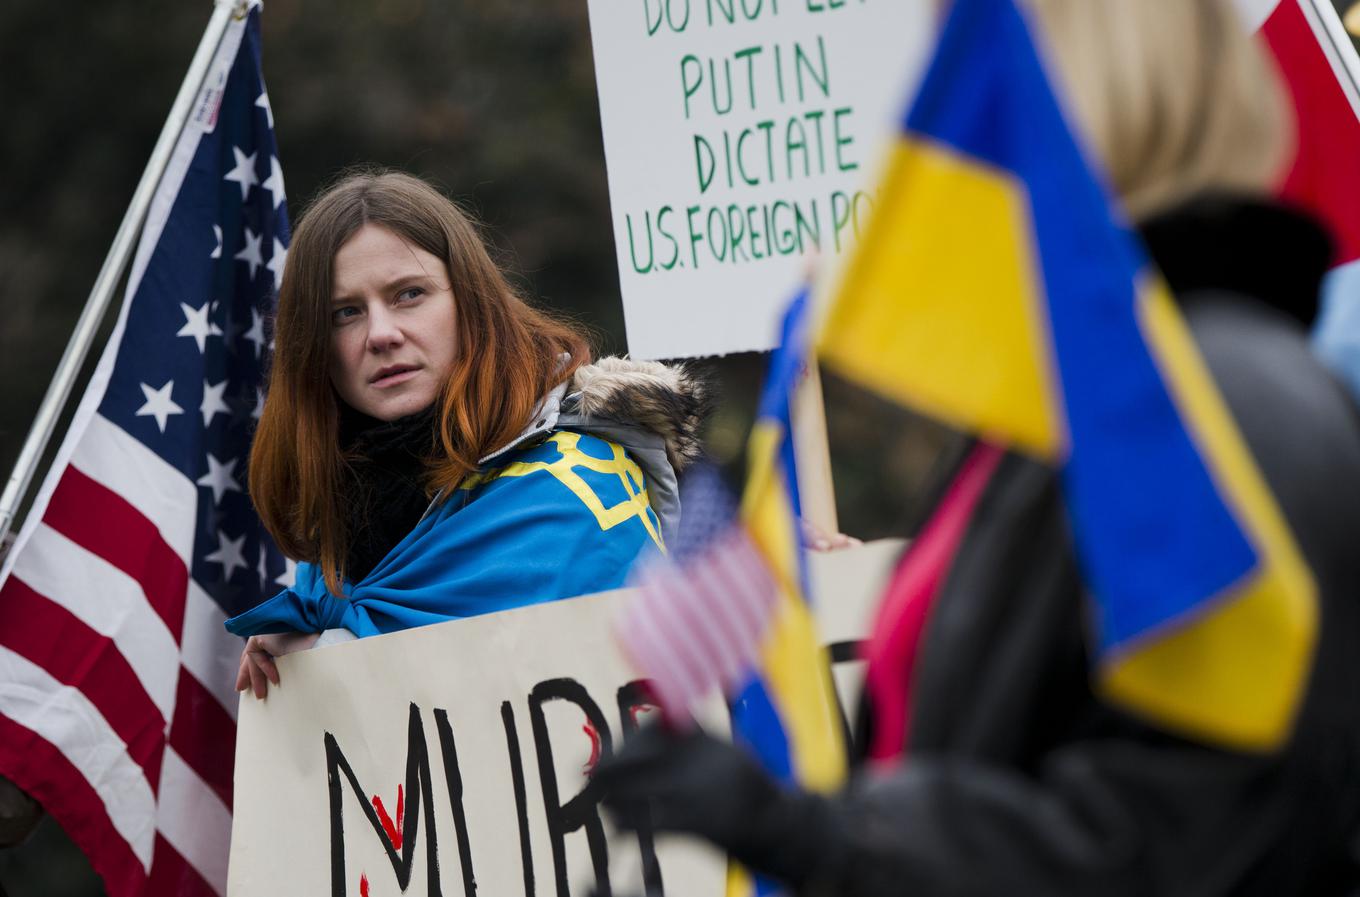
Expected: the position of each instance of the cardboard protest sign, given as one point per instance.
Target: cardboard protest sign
(450, 758)
(741, 136)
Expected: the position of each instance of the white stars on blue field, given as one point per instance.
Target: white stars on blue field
(197, 335)
(159, 404)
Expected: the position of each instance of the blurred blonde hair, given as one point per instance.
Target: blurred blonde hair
(1174, 96)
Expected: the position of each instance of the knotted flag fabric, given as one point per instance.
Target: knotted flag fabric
(564, 516)
(998, 290)
(117, 710)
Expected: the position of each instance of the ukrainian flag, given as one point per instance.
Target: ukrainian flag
(998, 290)
(787, 714)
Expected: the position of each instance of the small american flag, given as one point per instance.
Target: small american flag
(116, 705)
(700, 614)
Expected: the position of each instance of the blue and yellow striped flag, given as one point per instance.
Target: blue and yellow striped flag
(998, 290)
(787, 713)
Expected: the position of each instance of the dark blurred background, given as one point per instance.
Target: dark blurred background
(493, 101)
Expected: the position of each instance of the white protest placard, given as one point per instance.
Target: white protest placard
(449, 759)
(741, 136)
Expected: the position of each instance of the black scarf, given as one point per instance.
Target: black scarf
(385, 490)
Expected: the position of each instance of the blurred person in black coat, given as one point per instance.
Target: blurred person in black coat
(1018, 777)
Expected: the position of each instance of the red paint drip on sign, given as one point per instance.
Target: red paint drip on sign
(594, 737)
(363, 886)
(638, 710)
(392, 829)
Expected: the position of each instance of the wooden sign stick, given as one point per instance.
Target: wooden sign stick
(816, 489)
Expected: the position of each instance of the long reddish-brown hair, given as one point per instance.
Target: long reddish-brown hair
(508, 357)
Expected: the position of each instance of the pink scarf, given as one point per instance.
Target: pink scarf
(895, 641)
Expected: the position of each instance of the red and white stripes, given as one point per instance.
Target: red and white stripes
(115, 672)
(698, 627)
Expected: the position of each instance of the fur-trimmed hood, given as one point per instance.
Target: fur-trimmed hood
(669, 400)
(654, 410)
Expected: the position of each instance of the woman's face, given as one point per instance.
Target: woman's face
(392, 325)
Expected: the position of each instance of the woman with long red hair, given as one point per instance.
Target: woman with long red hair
(433, 447)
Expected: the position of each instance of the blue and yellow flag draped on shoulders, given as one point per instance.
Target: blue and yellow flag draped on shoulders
(787, 714)
(998, 290)
(563, 517)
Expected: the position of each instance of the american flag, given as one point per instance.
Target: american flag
(700, 613)
(117, 710)
(1321, 68)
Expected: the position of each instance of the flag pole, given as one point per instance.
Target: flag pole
(816, 486)
(101, 294)
(1339, 49)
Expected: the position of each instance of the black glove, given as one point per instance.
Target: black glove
(19, 814)
(698, 785)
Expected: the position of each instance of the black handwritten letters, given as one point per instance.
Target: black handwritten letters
(417, 786)
(578, 812)
(411, 839)
(399, 839)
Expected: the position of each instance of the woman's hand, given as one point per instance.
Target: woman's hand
(817, 539)
(257, 660)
